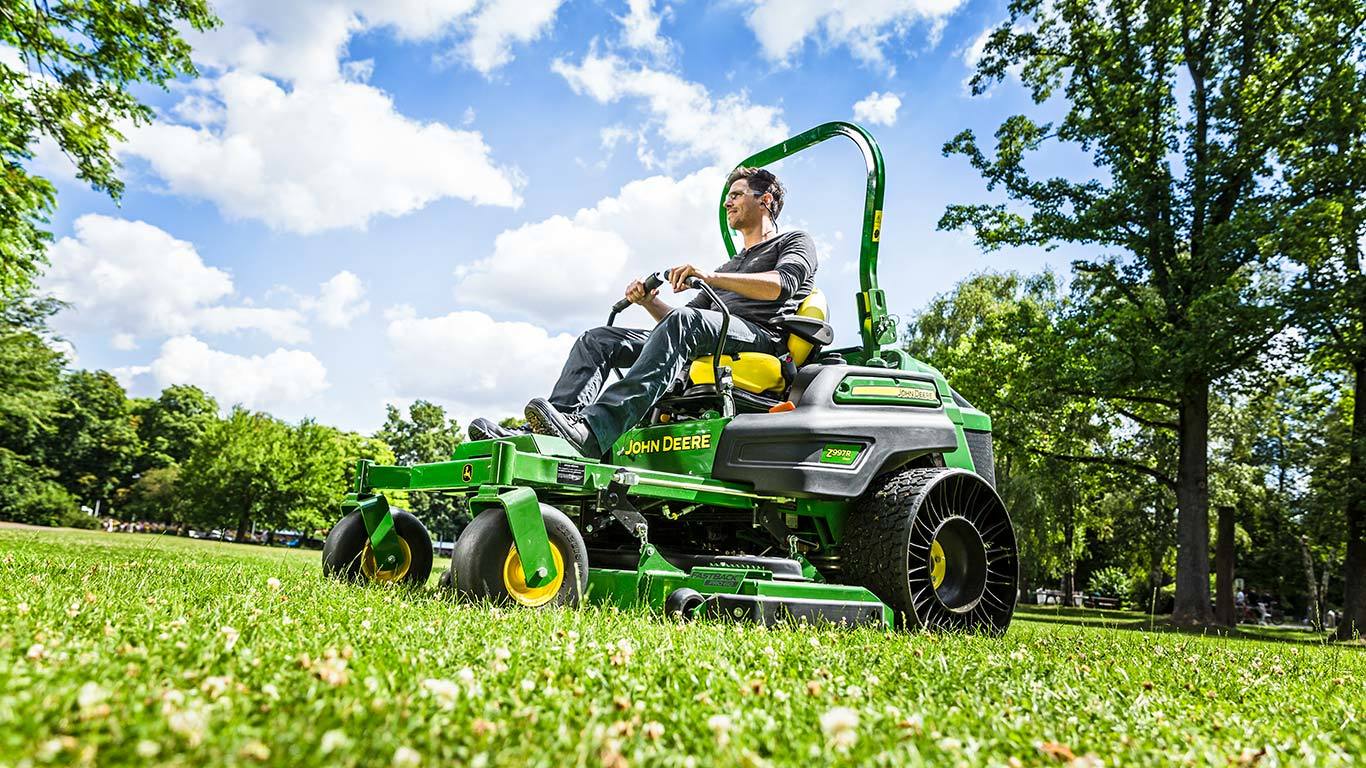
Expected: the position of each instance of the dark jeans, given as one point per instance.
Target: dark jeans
(655, 358)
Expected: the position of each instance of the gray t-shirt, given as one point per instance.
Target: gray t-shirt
(793, 255)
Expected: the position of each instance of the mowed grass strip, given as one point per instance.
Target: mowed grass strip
(124, 649)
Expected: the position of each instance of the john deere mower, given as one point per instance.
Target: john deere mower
(846, 486)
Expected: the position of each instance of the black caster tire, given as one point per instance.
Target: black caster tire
(486, 566)
(446, 581)
(936, 545)
(347, 555)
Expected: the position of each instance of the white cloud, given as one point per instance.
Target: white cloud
(339, 300)
(127, 375)
(284, 128)
(131, 279)
(862, 26)
(566, 272)
(305, 40)
(724, 130)
(283, 377)
(640, 28)
(471, 360)
(320, 156)
(285, 325)
(499, 24)
(972, 54)
(877, 108)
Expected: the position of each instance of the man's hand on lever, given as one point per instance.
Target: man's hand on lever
(678, 276)
(637, 294)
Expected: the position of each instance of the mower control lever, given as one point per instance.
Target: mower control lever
(653, 281)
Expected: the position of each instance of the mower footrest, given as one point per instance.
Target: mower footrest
(769, 610)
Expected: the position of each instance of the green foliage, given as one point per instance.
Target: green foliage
(155, 496)
(28, 494)
(253, 469)
(1109, 582)
(93, 443)
(1182, 107)
(30, 368)
(170, 426)
(80, 61)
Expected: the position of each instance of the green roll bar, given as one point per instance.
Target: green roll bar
(876, 327)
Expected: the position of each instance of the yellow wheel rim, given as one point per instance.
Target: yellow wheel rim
(515, 583)
(936, 564)
(370, 568)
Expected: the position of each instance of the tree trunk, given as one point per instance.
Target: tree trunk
(242, 523)
(1315, 616)
(1353, 623)
(1192, 501)
(1223, 570)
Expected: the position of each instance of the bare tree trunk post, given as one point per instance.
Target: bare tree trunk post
(1192, 500)
(1315, 617)
(1223, 570)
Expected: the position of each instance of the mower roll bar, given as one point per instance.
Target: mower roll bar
(876, 327)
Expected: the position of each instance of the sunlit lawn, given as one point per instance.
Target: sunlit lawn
(129, 649)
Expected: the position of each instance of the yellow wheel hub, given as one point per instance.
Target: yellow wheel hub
(370, 568)
(515, 583)
(936, 564)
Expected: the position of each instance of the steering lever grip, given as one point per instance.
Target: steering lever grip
(651, 282)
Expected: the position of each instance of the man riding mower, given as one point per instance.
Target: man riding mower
(738, 469)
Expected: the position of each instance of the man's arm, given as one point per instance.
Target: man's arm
(635, 292)
(764, 286)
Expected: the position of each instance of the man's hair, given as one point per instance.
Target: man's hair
(760, 181)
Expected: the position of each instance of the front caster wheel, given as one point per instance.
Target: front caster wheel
(935, 544)
(347, 554)
(486, 564)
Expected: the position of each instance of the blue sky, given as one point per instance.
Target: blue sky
(362, 203)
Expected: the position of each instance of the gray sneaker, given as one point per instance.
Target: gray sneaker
(484, 429)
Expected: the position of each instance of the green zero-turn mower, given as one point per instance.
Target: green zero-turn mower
(832, 485)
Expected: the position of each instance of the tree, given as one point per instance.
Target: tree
(252, 469)
(1180, 105)
(996, 338)
(170, 425)
(154, 496)
(232, 476)
(425, 436)
(31, 370)
(79, 62)
(1324, 211)
(93, 443)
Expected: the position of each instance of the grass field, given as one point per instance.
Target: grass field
(125, 649)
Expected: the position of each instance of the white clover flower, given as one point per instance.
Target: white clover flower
(840, 726)
(444, 691)
(406, 757)
(720, 726)
(273, 583)
(189, 724)
(334, 740)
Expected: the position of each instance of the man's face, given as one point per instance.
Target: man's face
(743, 207)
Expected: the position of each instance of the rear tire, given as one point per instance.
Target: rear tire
(486, 566)
(935, 544)
(347, 555)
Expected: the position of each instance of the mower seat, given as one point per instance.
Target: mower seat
(764, 374)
